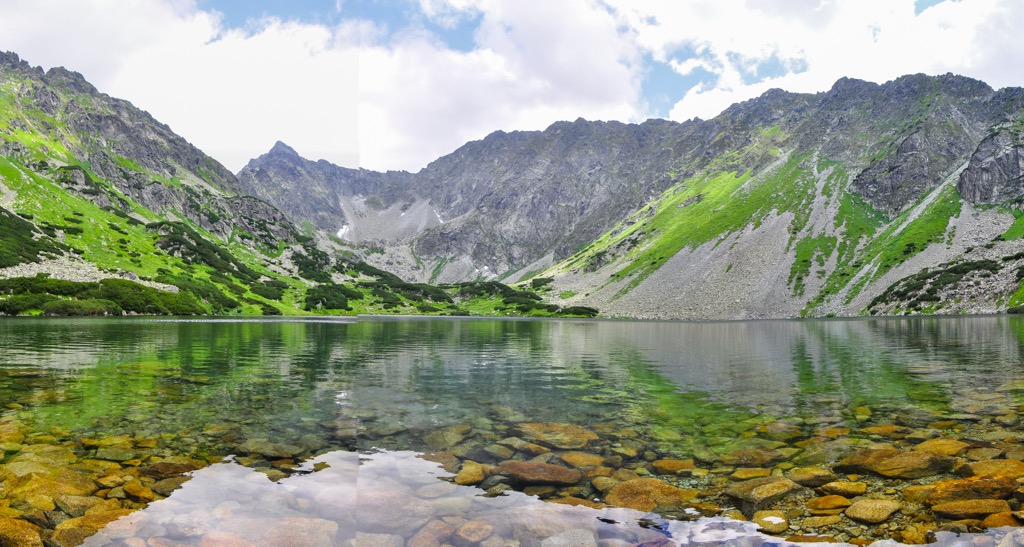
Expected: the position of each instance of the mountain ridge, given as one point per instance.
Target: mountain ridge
(521, 204)
(107, 211)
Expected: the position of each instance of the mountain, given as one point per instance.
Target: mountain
(105, 210)
(785, 205)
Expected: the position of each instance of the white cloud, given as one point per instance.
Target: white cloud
(388, 96)
(420, 99)
(820, 41)
(358, 93)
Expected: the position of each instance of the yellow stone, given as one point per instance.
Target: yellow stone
(471, 473)
(747, 473)
(582, 459)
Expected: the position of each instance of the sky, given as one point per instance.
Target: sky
(395, 84)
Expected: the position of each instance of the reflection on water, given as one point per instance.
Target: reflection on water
(394, 498)
(363, 397)
(381, 498)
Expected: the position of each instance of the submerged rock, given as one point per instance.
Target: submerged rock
(872, 511)
(811, 476)
(898, 464)
(972, 488)
(970, 509)
(649, 495)
(993, 468)
(558, 435)
(530, 472)
(20, 533)
(757, 494)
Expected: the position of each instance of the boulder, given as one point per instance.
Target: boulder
(997, 487)
(812, 477)
(896, 464)
(530, 472)
(558, 435)
(948, 447)
(993, 468)
(757, 494)
(648, 495)
(872, 511)
(970, 509)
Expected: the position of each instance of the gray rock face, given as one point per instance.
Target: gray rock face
(996, 171)
(511, 199)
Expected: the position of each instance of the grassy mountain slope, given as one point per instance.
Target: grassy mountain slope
(847, 226)
(104, 210)
(785, 205)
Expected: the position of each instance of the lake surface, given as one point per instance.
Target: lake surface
(365, 431)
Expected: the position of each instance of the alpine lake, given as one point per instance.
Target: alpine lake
(440, 431)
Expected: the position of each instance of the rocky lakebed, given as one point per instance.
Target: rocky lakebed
(861, 476)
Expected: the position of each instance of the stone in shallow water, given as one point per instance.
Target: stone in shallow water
(995, 520)
(166, 486)
(888, 430)
(826, 452)
(268, 449)
(872, 511)
(751, 457)
(981, 454)
(582, 459)
(20, 533)
(828, 505)
(471, 473)
(896, 464)
(948, 447)
(67, 483)
(163, 470)
(671, 467)
(558, 435)
(95, 520)
(433, 534)
(821, 522)
(747, 473)
(845, 488)
(117, 453)
(970, 509)
(527, 448)
(810, 476)
(779, 431)
(773, 522)
(472, 533)
(76, 506)
(992, 468)
(444, 439)
(648, 495)
(756, 494)
(538, 473)
(972, 488)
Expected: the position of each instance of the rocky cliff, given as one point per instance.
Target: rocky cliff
(652, 219)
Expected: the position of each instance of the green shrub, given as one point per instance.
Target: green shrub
(21, 303)
(582, 311)
(327, 297)
(88, 306)
(268, 290)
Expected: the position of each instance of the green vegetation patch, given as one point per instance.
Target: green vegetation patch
(920, 292)
(106, 297)
(21, 243)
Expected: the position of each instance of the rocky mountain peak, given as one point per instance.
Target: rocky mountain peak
(281, 149)
(61, 77)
